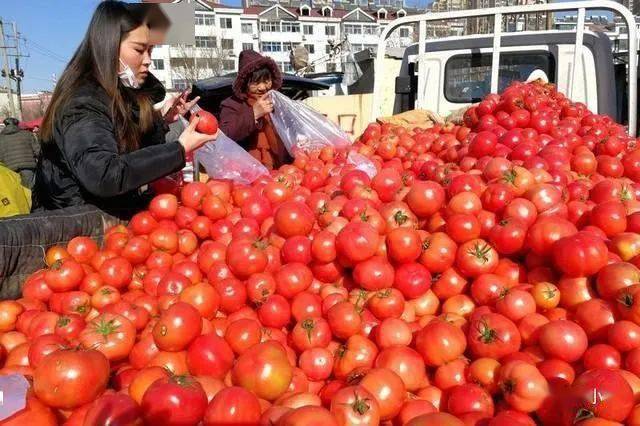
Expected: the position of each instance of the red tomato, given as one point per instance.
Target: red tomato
(353, 405)
(233, 405)
(493, 336)
(112, 334)
(210, 355)
(440, 342)
(264, 370)
(207, 122)
(164, 402)
(68, 379)
(177, 327)
(524, 388)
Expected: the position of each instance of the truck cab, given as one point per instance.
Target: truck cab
(458, 70)
(448, 74)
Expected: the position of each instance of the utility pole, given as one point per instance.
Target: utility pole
(3, 47)
(18, 72)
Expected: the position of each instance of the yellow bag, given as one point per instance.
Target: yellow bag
(14, 198)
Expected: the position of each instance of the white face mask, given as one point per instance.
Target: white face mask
(127, 76)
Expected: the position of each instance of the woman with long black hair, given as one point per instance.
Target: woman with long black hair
(103, 141)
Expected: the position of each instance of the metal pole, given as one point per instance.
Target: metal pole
(577, 52)
(5, 66)
(18, 77)
(495, 60)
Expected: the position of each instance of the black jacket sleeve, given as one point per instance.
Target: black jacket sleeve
(237, 120)
(90, 148)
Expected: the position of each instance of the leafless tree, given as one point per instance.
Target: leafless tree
(193, 63)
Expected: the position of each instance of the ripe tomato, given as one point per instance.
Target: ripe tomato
(233, 405)
(563, 339)
(210, 355)
(476, 257)
(114, 409)
(353, 405)
(600, 393)
(524, 388)
(64, 275)
(406, 363)
(293, 218)
(493, 336)
(580, 255)
(246, 257)
(469, 398)
(387, 389)
(440, 342)
(68, 379)
(264, 370)
(356, 242)
(165, 400)
(425, 198)
(112, 334)
(177, 327)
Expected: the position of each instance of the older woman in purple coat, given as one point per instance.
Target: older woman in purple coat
(244, 117)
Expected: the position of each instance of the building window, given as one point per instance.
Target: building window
(382, 14)
(290, 27)
(304, 10)
(310, 48)
(356, 47)
(402, 14)
(202, 19)
(247, 28)
(271, 46)
(228, 64)
(158, 64)
(330, 30)
(352, 29)
(369, 29)
(331, 67)
(327, 49)
(205, 41)
(308, 29)
(180, 84)
(404, 32)
(247, 46)
(270, 26)
(225, 23)
(227, 43)
(327, 12)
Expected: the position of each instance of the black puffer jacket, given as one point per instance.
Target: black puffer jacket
(82, 164)
(18, 148)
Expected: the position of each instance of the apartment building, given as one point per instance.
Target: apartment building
(274, 28)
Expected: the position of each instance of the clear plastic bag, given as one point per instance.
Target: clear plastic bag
(301, 128)
(225, 159)
(362, 163)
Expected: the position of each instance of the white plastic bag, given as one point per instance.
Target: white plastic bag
(301, 128)
(225, 159)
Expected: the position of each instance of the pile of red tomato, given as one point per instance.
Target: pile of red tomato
(487, 275)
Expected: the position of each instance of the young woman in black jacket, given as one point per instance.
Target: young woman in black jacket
(103, 142)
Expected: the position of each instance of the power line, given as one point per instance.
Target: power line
(44, 50)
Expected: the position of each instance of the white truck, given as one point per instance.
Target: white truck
(444, 75)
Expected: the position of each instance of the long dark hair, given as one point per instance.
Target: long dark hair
(97, 60)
